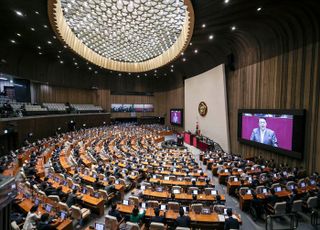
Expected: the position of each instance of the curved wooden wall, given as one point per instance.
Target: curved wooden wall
(288, 80)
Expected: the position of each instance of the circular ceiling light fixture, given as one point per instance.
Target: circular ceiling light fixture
(124, 35)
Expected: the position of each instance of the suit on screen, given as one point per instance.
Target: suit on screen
(268, 139)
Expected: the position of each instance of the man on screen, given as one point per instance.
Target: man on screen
(175, 118)
(264, 135)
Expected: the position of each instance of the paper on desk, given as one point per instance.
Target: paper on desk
(221, 218)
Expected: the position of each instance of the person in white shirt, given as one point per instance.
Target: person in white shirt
(31, 218)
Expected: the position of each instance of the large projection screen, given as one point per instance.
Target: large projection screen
(209, 87)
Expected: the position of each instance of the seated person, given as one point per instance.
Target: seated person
(157, 218)
(44, 223)
(257, 205)
(230, 222)
(136, 217)
(172, 198)
(72, 198)
(272, 199)
(114, 212)
(137, 191)
(32, 218)
(182, 220)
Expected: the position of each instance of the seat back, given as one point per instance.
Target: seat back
(312, 202)
(197, 208)
(76, 212)
(133, 200)
(156, 226)
(296, 206)
(173, 206)
(207, 191)
(15, 226)
(132, 226)
(90, 189)
(191, 189)
(243, 190)
(182, 228)
(111, 222)
(63, 206)
(280, 208)
(152, 203)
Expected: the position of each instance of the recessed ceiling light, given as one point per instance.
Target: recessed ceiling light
(96, 72)
(182, 53)
(61, 62)
(203, 25)
(119, 74)
(233, 28)
(129, 74)
(90, 68)
(12, 41)
(33, 29)
(36, 12)
(145, 74)
(259, 9)
(64, 46)
(58, 56)
(39, 53)
(76, 63)
(11, 81)
(183, 59)
(210, 37)
(45, 26)
(190, 44)
(171, 70)
(226, 1)
(195, 51)
(155, 70)
(39, 47)
(138, 76)
(19, 13)
(49, 42)
(18, 34)
(165, 74)
(60, 51)
(172, 66)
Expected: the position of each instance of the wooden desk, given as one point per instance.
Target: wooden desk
(244, 201)
(178, 183)
(127, 209)
(232, 185)
(222, 177)
(27, 204)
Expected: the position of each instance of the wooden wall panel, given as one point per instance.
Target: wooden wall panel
(287, 81)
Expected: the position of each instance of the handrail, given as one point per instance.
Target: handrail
(293, 224)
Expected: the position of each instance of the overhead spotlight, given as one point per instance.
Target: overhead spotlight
(233, 28)
(19, 13)
(259, 9)
(39, 53)
(33, 29)
(61, 62)
(19, 35)
(59, 128)
(90, 68)
(171, 70)
(226, 1)
(182, 53)
(183, 59)
(190, 43)
(12, 41)
(104, 123)
(36, 12)
(138, 76)
(96, 72)
(172, 66)
(84, 125)
(210, 37)
(5, 131)
(49, 42)
(11, 81)
(203, 25)
(45, 26)
(39, 47)
(195, 51)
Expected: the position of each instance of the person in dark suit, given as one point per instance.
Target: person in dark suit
(157, 218)
(114, 212)
(230, 222)
(182, 220)
(72, 198)
(264, 135)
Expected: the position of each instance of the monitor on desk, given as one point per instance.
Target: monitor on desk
(205, 211)
(105, 179)
(214, 192)
(99, 226)
(143, 187)
(143, 205)
(117, 182)
(166, 178)
(292, 187)
(57, 179)
(226, 170)
(303, 184)
(176, 191)
(37, 202)
(163, 207)
(159, 189)
(63, 215)
(94, 175)
(249, 192)
(65, 183)
(84, 190)
(48, 208)
(265, 191)
(185, 209)
(235, 179)
(73, 187)
(154, 177)
(195, 192)
(225, 211)
(96, 195)
(312, 182)
(278, 189)
(125, 202)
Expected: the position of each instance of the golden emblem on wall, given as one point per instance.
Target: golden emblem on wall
(202, 108)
